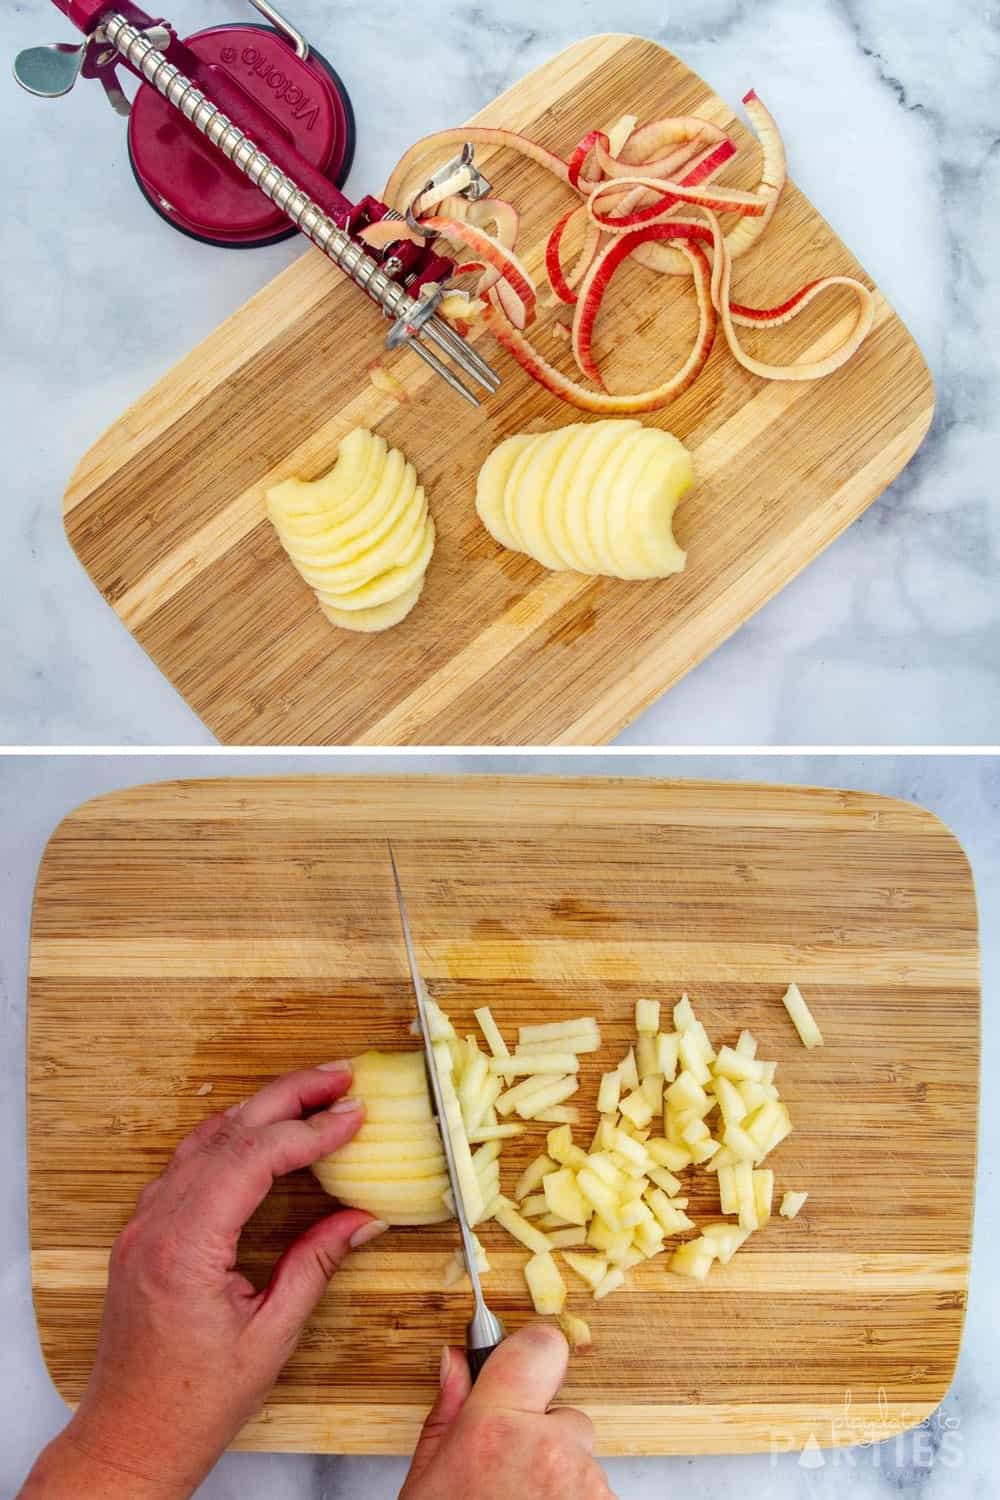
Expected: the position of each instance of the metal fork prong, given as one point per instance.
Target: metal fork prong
(440, 368)
(451, 343)
(462, 349)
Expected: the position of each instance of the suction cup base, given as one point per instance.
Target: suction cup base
(191, 186)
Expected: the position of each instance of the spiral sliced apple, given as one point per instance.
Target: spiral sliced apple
(595, 497)
(360, 536)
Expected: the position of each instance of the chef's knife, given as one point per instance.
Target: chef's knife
(484, 1331)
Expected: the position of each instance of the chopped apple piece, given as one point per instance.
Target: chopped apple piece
(455, 1268)
(632, 1257)
(736, 1066)
(648, 1237)
(802, 1017)
(747, 1044)
(767, 1072)
(695, 1131)
(664, 1179)
(691, 1059)
(609, 1283)
(651, 1089)
(547, 1288)
(753, 1094)
(551, 1031)
(590, 1268)
(646, 1060)
(548, 1222)
(508, 1102)
(575, 1041)
(491, 1032)
(637, 1108)
(687, 1093)
(684, 1016)
(647, 1015)
(572, 1234)
(732, 1105)
(577, 1331)
(532, 1176)
(742, 1145)
(508, 1218)
(729, 1203)
(439, 1028)
(609, 1092)
(614, 1242)
(533, 1205)
(599, 1196)
(668, 1155)
(468, 1182)
(601, 1163)
(745, 1195)
(559, 1144)
(628, 1072)
(763, 1193)
(558, 1114)
(667, 1044)
(703, 1151)
(727, 1239)
(564, 1197)
(672, 1220)
(791, 1203)
(502, 1132)
(628, 1147)
(542, 1062)
(546, 1098)
(634, 1213)
(693, 1259)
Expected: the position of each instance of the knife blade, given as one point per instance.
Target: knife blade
(484, 1330)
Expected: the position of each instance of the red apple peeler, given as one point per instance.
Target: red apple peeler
(241, 135)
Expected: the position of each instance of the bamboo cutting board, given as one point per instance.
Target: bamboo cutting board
(193, 939)
(166, 511)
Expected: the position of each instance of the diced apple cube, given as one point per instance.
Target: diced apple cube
(667, 1054)
(727, 1239)
(728, 1201)
(558, 1063)
(692, 1260)
(628, 1072)
(632, 1257)
(745, 1195)
(628, 1147)
(609, 1092)
(651, 1088)
(763, 1193)
(802, 1017)
(664, 1179)
(747, 1044)
(649, 1236)
(687, 1093)
(647, 1015)
(547, 1288)
(532, 1175)
(743, 1146)
(791, 1203)
(634, 1213)
(753, 1094)
(666, 1154)
(732, 1105)
(508, 1218)
(646, 1060)
(601, 1163)
(735, 1066)
(577, 1331)
(637, 1108)
(559, 1114)
(491, 1032)
(573, 1234)
(609, 1283)
(551, 1031)
(563, 1196)
(691, 1059)
(684, 1016)
(613, 1242)
(703, 1151)
(502, 1132)
(554, 1092)
(600, 1196)
(695, 1131)
(533, 1205)
(590, 1268)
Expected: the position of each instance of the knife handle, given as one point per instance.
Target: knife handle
(478, 1357)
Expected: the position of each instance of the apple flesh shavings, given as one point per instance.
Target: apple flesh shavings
(648, 192)
(361, 536)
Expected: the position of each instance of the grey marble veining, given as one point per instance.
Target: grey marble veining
(952, 1458)
(890, 114)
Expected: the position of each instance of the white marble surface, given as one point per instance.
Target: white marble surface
(891, 638)
(953, 1458)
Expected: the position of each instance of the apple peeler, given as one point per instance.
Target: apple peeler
(241, 135)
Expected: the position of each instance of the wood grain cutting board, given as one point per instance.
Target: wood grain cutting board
(166, 511)
(203, 936)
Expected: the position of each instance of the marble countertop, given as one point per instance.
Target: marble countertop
(890, 638)
(951, 1458)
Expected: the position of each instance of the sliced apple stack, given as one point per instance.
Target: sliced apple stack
(361, 536)
(592, 497)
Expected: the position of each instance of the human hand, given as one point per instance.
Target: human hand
(188, 1349)
(498, 1438)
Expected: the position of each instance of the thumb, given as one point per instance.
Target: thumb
(456, 1383)
(524, 1373)
(300, 1277)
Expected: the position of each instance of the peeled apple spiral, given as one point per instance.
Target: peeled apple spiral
(361, 536)
(592, 497)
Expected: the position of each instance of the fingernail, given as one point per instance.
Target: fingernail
(343, 1066)
(234, 1109)
(445, 1366)
(346, 1107)
(369, 1231)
